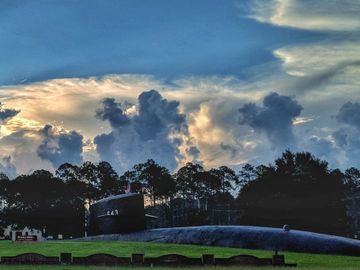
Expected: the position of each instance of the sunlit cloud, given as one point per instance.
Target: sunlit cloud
(217, 134)
(328, 15)
(301, 120)
(311, 59)
(71, 104)
(324, 72)
(210, 104)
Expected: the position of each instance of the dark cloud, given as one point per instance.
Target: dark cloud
(157, 114)
(308, 83)
(104, 144)
(232, 150)
(6, 114)
(193, 151)
(154, 132)
(349, 113)
(60, 148)
(112, 112)
(347, 138)
(274, 118)
(340, 137)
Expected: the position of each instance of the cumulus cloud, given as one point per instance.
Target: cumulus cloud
(275, 118)
(324, 149)
(348, 140)
(156, 131)
(210, 104)
(232, 150)
(113, 113)
(326, 15)
(347, 137)
(349, 113)
(60, 147)
(21, 146)
(320, 146)
(70, 104)
(193, 151)
(221, 140)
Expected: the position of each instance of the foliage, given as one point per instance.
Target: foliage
(48, 203)
(153, 180)
(298, 190)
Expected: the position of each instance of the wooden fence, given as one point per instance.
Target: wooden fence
(141, 260)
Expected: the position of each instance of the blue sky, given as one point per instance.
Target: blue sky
(42, 40)
(60, 59)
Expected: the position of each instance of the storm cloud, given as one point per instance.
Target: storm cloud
(6, 114)
(347, 137)
(274, 118)
(156, 131)
(60, 147)
(349, 113)
(113, 113)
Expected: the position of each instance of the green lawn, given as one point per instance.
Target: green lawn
(120, 248)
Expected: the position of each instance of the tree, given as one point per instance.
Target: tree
(88, 174)
(298, 190)
(246, 174)
(42, 201)
(68, 172)
(352, 190)
(109, 180)
(352, 180)
(189, 181)
(4, 183)
(95, 181)
(4, 186)
(131, 178)
(155, 180)
(226, 179)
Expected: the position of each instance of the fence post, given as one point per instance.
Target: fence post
(278, 260)
(65, 258)
(137, 259)
(208, 259)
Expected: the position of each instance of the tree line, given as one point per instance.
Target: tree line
(297, 189)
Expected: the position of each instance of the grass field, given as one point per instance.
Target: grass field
(118, 248)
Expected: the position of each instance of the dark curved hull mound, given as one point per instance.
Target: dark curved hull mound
(245, 237)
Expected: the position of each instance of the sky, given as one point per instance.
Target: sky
(207, 81)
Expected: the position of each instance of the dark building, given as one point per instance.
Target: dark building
(117, 214)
